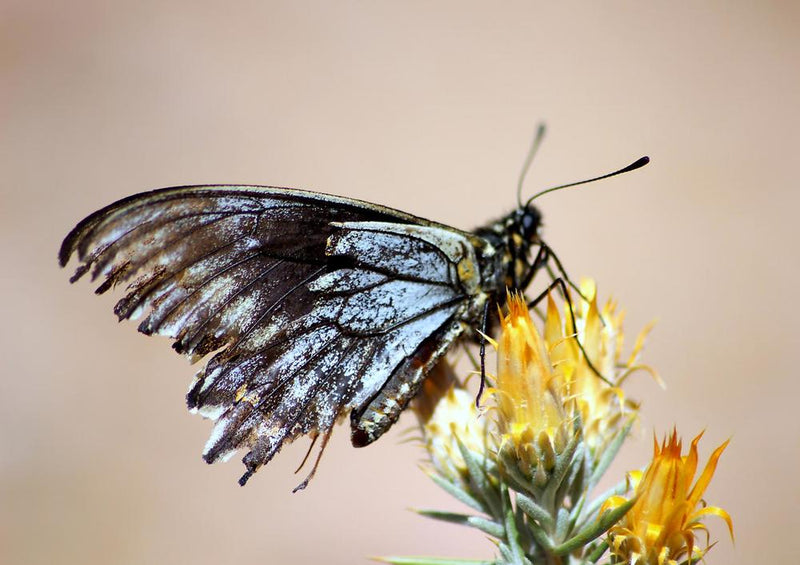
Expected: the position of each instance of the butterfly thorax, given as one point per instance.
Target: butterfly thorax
(514, 238)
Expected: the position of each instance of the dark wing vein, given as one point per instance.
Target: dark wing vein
(177, 237)
(149, 329)
(191, 338)
(134, 299)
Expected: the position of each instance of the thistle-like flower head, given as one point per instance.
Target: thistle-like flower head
(447, 415)
(533, 422)
(660, 527)
(601, 405)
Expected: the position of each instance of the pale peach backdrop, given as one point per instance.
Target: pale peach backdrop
(427, 107)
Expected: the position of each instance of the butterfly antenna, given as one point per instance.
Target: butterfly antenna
(537, 140)
(638, 164)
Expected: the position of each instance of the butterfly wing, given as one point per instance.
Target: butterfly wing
(314, 306)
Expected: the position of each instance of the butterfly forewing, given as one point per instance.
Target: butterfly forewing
(314, 306)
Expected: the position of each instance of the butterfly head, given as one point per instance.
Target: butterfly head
(522, 241)
(528, 220)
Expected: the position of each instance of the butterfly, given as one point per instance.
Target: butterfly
(314, 306)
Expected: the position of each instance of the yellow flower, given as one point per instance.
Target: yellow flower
(447, 414)
(602, 407)
(532, 419)
(660, 527)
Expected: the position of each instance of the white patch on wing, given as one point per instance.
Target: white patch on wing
(346, 279)
(240, 309)
(392, 303)
(260, 336)
(397, 345)
(401, 254)
(216, 435)
(450, 242)
(211, 412)
(208, 379)
(442, 256)
(137, 313)
(291, 363)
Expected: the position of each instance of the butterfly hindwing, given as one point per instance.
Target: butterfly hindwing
(314, 306)
(434, 290)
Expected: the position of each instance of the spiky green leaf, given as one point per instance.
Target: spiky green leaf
(594, 507)
(458, 493)
(610, 452)
(511, 531)
(482, 482)
(534, 511)
(564, 464)
(484, 524)
(595, 529)
(597, 552)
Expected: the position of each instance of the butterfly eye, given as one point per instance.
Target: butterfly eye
(529, 222)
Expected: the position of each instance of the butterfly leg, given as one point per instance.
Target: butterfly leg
(484, 329)
(541, 259)
(559, 282)
(549, 254)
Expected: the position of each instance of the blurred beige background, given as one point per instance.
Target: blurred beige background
(428, 107)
